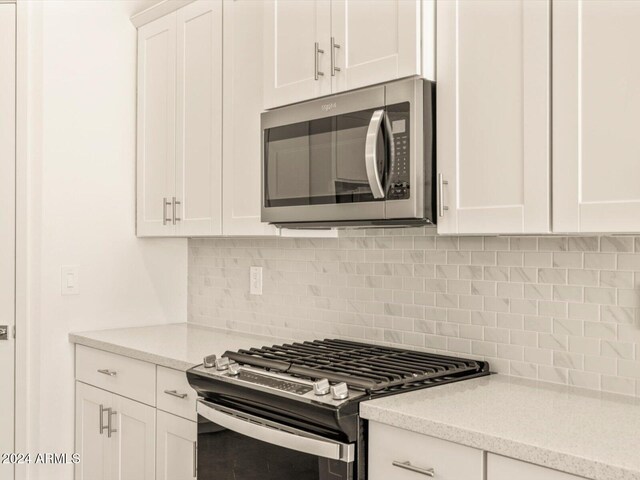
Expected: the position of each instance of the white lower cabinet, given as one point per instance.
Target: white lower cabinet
(134, 440)
(176, 447)
(91, 439)
(402, 455)
(503, 468)
(119, 438)
(115, 436)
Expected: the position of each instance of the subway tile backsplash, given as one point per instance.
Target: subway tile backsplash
(558, 309)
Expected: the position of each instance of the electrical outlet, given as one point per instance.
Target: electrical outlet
(255, 280)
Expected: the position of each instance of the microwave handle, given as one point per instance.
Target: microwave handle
(371, 154)
(275, 434)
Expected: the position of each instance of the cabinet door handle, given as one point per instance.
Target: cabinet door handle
(174, 204)
(429, 472)
(165, 204)
(441, 183)
(110, 430)
(110, 373)
(101, 426)
(316, 52)
(174, 393)
(334, 45)
(195, 460)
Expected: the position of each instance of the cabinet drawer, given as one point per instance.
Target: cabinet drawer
(122, 375)
(175, 395)
(503, 468)
(449, 461)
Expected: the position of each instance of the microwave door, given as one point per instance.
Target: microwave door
(316, 170)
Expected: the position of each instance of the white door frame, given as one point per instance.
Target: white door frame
(21, 414)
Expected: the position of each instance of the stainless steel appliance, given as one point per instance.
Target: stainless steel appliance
(365, 157)
(290, 412)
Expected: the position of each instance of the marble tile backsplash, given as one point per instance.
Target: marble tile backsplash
(558, 309)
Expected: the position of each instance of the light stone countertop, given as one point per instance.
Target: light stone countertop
(586, 433)
(179, 346)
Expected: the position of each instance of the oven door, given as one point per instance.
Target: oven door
(234, 445)
(326, 160)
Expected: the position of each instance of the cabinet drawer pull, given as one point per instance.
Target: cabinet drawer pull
(429, 472)
(111, 373)
(174, 393)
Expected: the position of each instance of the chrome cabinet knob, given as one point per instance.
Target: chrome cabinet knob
(321, 387)
(340, 391)
(209, 361)
(234, 369)
(222, 363)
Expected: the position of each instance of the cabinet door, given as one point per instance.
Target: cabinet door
(291, 31)
(92, 443)
(493, 116)
(176, 448)
(156, 126)
(242, 105)
(596, 146)
(503, 468)
(199, 119)
(378, 41)
(134, 440)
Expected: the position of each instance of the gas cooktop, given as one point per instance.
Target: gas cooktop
(333, 372)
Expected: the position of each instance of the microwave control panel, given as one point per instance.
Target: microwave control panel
(399, 169)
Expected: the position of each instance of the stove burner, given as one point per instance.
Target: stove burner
(362, 366)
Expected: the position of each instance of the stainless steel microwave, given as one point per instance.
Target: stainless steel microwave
(360, 158)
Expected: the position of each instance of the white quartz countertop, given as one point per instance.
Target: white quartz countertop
(590, 434)
(179, 346)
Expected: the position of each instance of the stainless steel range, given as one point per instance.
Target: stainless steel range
(290, 412)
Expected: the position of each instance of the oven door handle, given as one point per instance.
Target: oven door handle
(371, 153)
(275, 433)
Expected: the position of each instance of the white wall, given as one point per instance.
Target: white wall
(81, 205)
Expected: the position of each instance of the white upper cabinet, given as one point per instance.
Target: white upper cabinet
(374, 42)
(294, 69)
(199, 119)
(596, 145)
(242, 102)
(317, 47)
(179, 189)
(493, 98)
(156, 126)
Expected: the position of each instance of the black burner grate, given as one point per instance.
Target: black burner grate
(360, 365)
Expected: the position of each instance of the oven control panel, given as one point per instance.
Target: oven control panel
(277, 383)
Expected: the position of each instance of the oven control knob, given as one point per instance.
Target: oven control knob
(209, 361)
(340, 391)
(222, 363)
(321, 387)
(234, 369)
